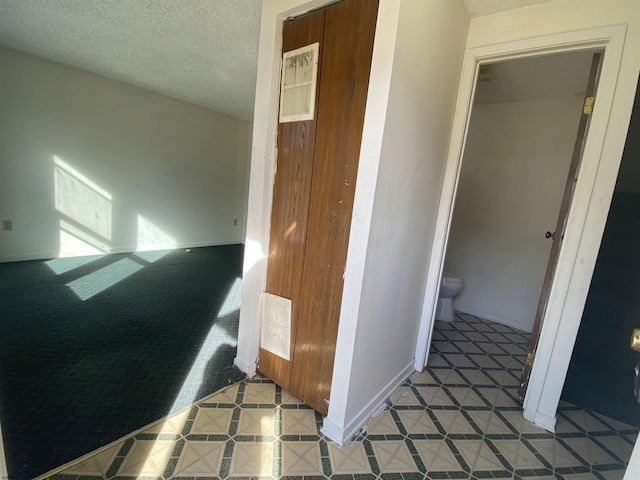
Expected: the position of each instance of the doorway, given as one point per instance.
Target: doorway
(593, 189)
(518, 149)
(519, 146)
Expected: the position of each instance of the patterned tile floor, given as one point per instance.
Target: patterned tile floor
(457, 419)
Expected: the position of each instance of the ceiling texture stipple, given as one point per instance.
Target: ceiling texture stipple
(201, 51)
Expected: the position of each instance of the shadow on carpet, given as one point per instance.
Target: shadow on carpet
(93, 348)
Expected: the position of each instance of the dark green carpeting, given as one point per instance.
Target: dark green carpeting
(92, 348)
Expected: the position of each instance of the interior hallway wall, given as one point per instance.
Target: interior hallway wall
(89, 164)
(513, 175)
(414, 149)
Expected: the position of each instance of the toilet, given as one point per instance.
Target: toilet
(450, 287)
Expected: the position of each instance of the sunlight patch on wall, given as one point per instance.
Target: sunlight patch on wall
(151, 237)
(76, 241)
(232, 302)
(82, 200)
(100, 280)
(253, 254)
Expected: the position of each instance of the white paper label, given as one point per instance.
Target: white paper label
(275, 334)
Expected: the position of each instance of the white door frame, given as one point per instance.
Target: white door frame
(580, 247)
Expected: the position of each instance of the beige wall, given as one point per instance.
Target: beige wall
(513, 175)
(89, 164)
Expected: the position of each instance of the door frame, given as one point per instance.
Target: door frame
(579, 250)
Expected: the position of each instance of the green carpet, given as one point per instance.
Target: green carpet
(92, 348)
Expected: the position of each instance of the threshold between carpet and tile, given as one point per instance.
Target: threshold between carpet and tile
(457, 419)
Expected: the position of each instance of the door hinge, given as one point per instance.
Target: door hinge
(531, 356)
(588, 105)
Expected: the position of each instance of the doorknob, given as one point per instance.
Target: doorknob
(550, 235)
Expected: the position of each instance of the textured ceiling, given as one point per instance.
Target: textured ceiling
(201, 51)
(536, 78)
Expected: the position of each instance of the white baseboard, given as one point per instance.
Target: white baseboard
(509, 322)
(342, 434)
(542, 420)
(248, 368)
(50, 255)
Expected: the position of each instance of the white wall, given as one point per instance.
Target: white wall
(513, 175)
(91, 164)
(416, 129)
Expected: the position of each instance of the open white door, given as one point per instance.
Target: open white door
(633, 468)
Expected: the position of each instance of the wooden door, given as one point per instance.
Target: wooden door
(558, 235)
(313, 196)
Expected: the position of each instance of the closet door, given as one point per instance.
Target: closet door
(290, 209)
(316, 174)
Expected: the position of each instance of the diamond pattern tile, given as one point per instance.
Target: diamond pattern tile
(455, 420)
(97, 464)
(437, 455)
(226, 395)
(404, 396)
(589, 451)
(478, 455)
(394, 456)
(172, 425)
(349, 459)
(517, 454)
(554, 453)
(252, 460)
(383, 424)
(299, 422)
(490, 423)
(212, 421)
(147, 458)
(435, 396)
(257, 421)
(259, 393)
(415, 421)
(301, 459)
(200, 459)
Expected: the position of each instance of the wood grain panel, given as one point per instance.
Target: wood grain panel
(291, 192)
(346, 61)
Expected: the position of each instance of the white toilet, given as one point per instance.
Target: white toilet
(450, 287)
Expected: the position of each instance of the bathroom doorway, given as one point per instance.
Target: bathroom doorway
(519, 146)
(517, 154)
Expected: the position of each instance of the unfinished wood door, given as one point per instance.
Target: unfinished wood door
(558, 234)
(313, 196)
(291, 194)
